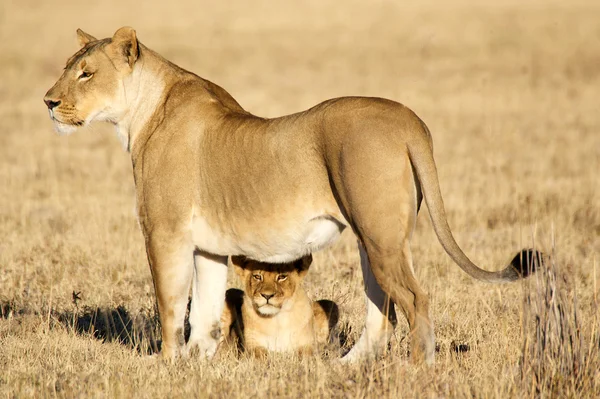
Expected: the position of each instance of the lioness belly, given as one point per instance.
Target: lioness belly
(268, 241)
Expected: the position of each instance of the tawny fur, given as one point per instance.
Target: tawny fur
(213, 180)
(273, 313)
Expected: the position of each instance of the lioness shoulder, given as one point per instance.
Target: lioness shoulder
(273, 311)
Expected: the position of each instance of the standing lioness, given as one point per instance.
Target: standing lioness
(213, 180)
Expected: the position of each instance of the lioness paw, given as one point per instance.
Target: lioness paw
(205, 347)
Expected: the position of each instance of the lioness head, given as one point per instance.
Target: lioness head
(270, 286)
(91, 86)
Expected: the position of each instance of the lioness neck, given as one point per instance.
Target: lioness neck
(148, 87)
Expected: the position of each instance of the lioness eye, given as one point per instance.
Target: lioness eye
(282, 277)
(257, 277)
(85, 75)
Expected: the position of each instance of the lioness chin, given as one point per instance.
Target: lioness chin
(213, 180)
(273, 313)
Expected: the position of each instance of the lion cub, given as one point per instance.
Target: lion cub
(273, 312)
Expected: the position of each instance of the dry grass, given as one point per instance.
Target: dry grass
(511, 95)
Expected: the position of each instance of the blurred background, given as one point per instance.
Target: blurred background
(509, 89)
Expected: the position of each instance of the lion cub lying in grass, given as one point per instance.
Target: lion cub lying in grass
(273, 312)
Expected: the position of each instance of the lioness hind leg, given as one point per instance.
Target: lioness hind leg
(208, 301)
(171, 265)
(381, 316)
(393, 270)
(376, 188)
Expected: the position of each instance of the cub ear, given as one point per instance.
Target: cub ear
(84, 38)
(303, 264)
(125, 45)
(239, 263)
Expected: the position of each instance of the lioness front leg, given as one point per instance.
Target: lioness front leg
(171, 265)
(208, 300)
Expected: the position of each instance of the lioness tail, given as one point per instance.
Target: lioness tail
(523, 263)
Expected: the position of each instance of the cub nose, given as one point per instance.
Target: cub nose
(267, 296)
(51, 103)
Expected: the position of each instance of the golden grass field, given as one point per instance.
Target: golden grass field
(511, 93)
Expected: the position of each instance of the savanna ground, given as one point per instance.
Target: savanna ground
(510, 92)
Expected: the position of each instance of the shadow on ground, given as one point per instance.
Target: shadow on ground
(138, 331)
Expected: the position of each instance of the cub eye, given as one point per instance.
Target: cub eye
(282, 277)
(257, 277)
(85, 75)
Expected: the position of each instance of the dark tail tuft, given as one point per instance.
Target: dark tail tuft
(527, 262)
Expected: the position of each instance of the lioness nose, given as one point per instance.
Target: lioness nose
(267, 296)
(51, 103)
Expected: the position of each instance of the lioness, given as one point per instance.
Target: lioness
(273, 312)
(213, 180)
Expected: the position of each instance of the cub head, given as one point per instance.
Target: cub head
(270, 286)
(91, 86)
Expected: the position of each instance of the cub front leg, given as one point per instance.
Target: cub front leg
(208, 300)
(326, 315)
(257, 352)
(171, 263)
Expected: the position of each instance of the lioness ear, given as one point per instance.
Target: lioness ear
(84, 38)
(303, 264)
(125, 44)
